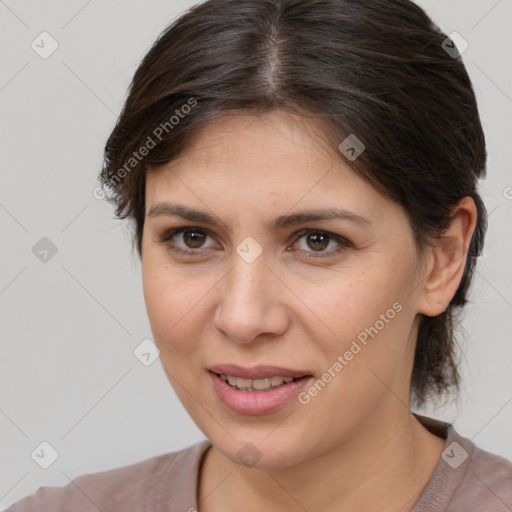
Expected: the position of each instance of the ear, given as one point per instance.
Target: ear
(447, 260)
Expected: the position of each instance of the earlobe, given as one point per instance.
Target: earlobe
(448, 260)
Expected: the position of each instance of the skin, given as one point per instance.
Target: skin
(300, 304)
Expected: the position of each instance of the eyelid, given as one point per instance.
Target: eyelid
(343, 242)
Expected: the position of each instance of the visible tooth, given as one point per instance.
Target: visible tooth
(256, 384)
(243, 383)
(276, 381)
(261, 383)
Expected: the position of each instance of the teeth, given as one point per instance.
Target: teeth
(256, 384)
(262, 383)
(276, 381)
(244, 383)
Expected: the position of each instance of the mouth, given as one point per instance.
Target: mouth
(257, 390)
(258, 385)
(258, 377)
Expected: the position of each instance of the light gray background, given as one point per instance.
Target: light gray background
(69, 326)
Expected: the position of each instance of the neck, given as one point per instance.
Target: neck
(387, 463)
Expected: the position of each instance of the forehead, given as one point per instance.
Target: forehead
(276, 160)
(277, 136)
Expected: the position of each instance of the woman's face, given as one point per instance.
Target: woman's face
(338, 303)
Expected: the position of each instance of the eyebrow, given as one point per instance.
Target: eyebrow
(283, 221)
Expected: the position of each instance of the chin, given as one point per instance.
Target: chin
(258, 452)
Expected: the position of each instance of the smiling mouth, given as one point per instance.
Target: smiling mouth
(258, 385)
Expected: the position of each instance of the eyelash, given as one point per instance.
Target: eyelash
(168, 235)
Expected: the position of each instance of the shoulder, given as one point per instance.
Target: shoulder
(133, 487)
(467, 478)
(487, 481)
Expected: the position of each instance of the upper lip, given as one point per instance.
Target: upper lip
(257, 372)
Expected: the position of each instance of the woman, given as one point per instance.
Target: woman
(302, 177)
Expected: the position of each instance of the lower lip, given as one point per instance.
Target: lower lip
(253, 403)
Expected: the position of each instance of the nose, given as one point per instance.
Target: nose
(252, 303)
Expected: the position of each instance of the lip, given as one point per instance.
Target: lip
(257, 372)
(254, 403)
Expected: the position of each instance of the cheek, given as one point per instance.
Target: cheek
(169, 299)
(365, 355)
(348, 304)
(176, 300)
(366, 323)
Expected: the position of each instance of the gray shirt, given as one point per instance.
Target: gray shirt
(466, 479)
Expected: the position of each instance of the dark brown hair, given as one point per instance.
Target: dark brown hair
(378, 70)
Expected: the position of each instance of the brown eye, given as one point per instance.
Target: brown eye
(317, 241)
(193, 239)
(185, 240)
(314, 241)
